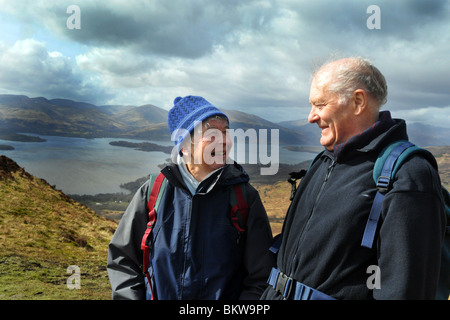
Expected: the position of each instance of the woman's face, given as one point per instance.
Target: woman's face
(210, 145)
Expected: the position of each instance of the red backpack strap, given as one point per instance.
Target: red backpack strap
(239, 207)
(151, 222)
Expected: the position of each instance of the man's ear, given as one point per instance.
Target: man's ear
(360, 101)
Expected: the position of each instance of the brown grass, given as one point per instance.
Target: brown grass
(42, 233)
(275, 199)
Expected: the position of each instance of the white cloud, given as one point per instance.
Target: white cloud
(431, 115)
(254, 55)
(28, 67)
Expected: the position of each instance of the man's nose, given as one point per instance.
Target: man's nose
(313, 116)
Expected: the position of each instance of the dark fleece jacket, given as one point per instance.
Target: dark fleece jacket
(324, 225)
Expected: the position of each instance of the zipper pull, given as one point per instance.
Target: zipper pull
(330, 168)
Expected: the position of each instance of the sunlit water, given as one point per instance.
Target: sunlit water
(92, 166)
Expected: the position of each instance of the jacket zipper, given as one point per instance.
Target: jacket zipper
(186, 238)
(302, 232)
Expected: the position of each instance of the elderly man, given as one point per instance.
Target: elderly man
(196, 249)
(321, 256)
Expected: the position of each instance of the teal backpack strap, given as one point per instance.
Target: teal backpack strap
(391, 157)
(151, 180)
(386, 166)
(412, 148)
(382, 177)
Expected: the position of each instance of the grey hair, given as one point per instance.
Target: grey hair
(358, 73)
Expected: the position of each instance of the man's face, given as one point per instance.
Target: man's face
(211, 145)
(335, 120)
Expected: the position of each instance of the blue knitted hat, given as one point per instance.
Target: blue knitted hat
(188, 110)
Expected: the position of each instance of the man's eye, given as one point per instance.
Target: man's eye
(320, 106)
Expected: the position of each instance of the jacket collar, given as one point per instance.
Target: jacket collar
(230, 174)
(190, 182)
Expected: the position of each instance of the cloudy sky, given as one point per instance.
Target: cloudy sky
(254, 56)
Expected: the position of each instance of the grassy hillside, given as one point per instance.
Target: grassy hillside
(275, 198)
(442, 155)
(42, 233)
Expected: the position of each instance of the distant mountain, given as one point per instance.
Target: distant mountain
(62, 117)
(143, 116)
(310, 131)
(42, 233)
(55, 117)
(147, 122)
(426, 136)
(245, 121)
(115, 109)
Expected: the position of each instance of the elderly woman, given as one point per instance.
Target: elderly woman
(197, 252)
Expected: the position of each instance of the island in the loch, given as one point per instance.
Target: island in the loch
(143, 146)
(6, 147)
(10, 136)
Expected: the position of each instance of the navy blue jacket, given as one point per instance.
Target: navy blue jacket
(197, 252)
(321, 244)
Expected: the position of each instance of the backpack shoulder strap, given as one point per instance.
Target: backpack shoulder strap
(239, 207)
(405, 149)
(156, 190)
(386, 166)
(382, 175)
(156, 187)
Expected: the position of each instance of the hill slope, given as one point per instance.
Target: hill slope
(143, 116)
(55, 117)
(42, 233)
(245, 121)
(62, 117)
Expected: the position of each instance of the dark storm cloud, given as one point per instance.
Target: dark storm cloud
(326, 20)
(242, 54)
(188, 29)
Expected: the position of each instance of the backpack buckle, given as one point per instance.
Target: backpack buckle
(284, 285)
(383, 184)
